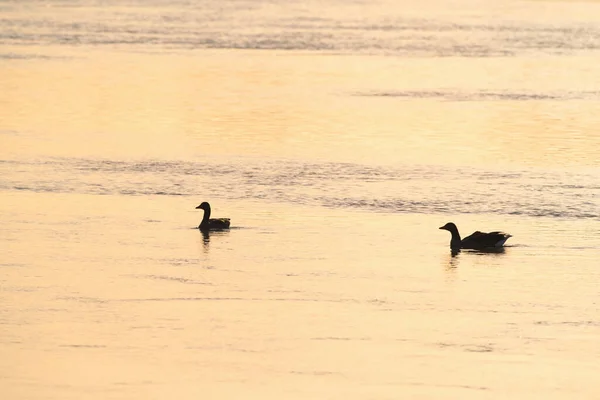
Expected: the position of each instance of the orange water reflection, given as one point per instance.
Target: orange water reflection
(297, 106)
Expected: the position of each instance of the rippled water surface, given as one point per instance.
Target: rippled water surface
(337, 136)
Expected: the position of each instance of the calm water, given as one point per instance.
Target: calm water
(338, 136)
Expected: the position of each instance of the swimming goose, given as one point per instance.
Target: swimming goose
(477, 240)
(211, 224)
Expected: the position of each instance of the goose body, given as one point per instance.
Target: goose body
(211, 224)
(477, 240)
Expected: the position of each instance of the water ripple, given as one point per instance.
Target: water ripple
(408, 189)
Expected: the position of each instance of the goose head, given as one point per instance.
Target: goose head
(449, 227)
(203, 206)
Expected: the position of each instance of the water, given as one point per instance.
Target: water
(338, 137)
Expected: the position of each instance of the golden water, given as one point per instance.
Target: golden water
(336, 168)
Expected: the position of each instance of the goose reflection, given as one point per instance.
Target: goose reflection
(208, 235)
(491, 250)
(452, 261)
(205, 239)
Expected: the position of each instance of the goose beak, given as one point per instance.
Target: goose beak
(442, 227)
(197, 207)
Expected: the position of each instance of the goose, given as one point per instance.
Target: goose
(211, 224)
(477, 240)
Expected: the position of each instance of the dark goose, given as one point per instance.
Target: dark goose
(477, 240)
(211, 224)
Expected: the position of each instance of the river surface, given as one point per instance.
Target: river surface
(337, 136)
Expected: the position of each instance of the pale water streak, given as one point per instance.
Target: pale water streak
(432, 28)
(414, 189)
(338, 136)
